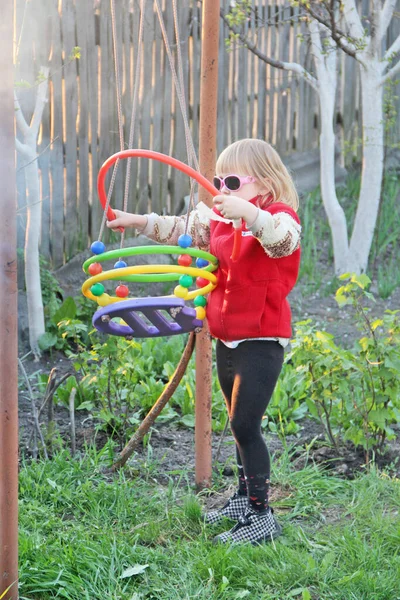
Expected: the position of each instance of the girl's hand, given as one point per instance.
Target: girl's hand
(233, 207)
(125, 219)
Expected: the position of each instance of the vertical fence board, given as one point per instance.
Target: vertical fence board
(92, 58)
(133, 46)
(261, 76)
(181, 181)
(293, 80)
(117, 112)
(71, 143)
(167, 119)
(156, 201)
(57, 173)
(242, 91)
(107, 127)
(82, 17)
(146, 99)
(194, 98)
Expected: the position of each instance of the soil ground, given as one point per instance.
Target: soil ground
(172, 448)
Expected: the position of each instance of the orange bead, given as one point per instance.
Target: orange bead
(95, 269)
(184, 260)
(122, 291)
(201, 282)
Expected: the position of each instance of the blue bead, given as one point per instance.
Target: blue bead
(201, 262)
(185, 240)
(97, 247)
(120, 264)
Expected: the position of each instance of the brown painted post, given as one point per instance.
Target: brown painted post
(207, 158)
(8, 317)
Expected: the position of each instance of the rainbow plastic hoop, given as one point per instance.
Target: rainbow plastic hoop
(173, 162)
(149, 273)
(151, 317)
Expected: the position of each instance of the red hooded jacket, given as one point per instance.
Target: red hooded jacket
(250, 300)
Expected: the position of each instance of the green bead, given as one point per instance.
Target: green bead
(185, 281)
(200, 301)
(97, 289)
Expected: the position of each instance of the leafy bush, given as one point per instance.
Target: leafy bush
(355, 394)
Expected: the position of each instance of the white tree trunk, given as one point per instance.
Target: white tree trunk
(372, 166)
(32, 266)
(325, 58)
(335, 213)
(28, 150)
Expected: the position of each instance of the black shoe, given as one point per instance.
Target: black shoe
(253, 527)
(233, 509)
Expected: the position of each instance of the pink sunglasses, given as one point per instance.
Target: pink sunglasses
(233, 183)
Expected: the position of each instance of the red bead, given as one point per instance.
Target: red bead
(184, 260)
(201, 282)
(95, 269)
(122, 291)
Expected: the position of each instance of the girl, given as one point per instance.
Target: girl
(248, 312)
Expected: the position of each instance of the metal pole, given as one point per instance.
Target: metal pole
(8, 317)
(207, 159)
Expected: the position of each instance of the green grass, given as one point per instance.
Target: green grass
(80, 532)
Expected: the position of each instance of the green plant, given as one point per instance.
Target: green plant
(287, 405)
(121, 380)
(65, 330)
(353, 393)
(376, 397)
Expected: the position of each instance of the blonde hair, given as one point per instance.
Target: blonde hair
(258, 159)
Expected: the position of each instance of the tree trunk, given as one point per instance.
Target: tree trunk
(372, 166)
(325, 58)
(28, 149)
(32, 266)
(335, 213)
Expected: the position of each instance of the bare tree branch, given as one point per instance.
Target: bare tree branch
(278, 64)
(19, 117)
(21, 148)
(386, 16)
(391, 52)
(390, 74)
(40, 102)
(329, 22)
(353, 19)
(38, 156)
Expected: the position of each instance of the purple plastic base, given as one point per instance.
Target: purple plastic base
(147, 317)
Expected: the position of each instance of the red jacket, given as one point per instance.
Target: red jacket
(250, 298)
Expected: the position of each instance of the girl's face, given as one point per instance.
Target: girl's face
(247, 190)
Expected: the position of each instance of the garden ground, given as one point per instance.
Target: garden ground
(173, 447)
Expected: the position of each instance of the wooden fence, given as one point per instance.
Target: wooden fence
(80, 127)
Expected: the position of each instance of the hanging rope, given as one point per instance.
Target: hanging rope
(180, 91)
(135, 101)
(189, 139)
(192, 158)
(119, 112)
(120, 123)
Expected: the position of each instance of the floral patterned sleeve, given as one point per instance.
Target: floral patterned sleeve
(279, 234)
(166, 229)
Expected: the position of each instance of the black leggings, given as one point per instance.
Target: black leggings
(247, 375)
